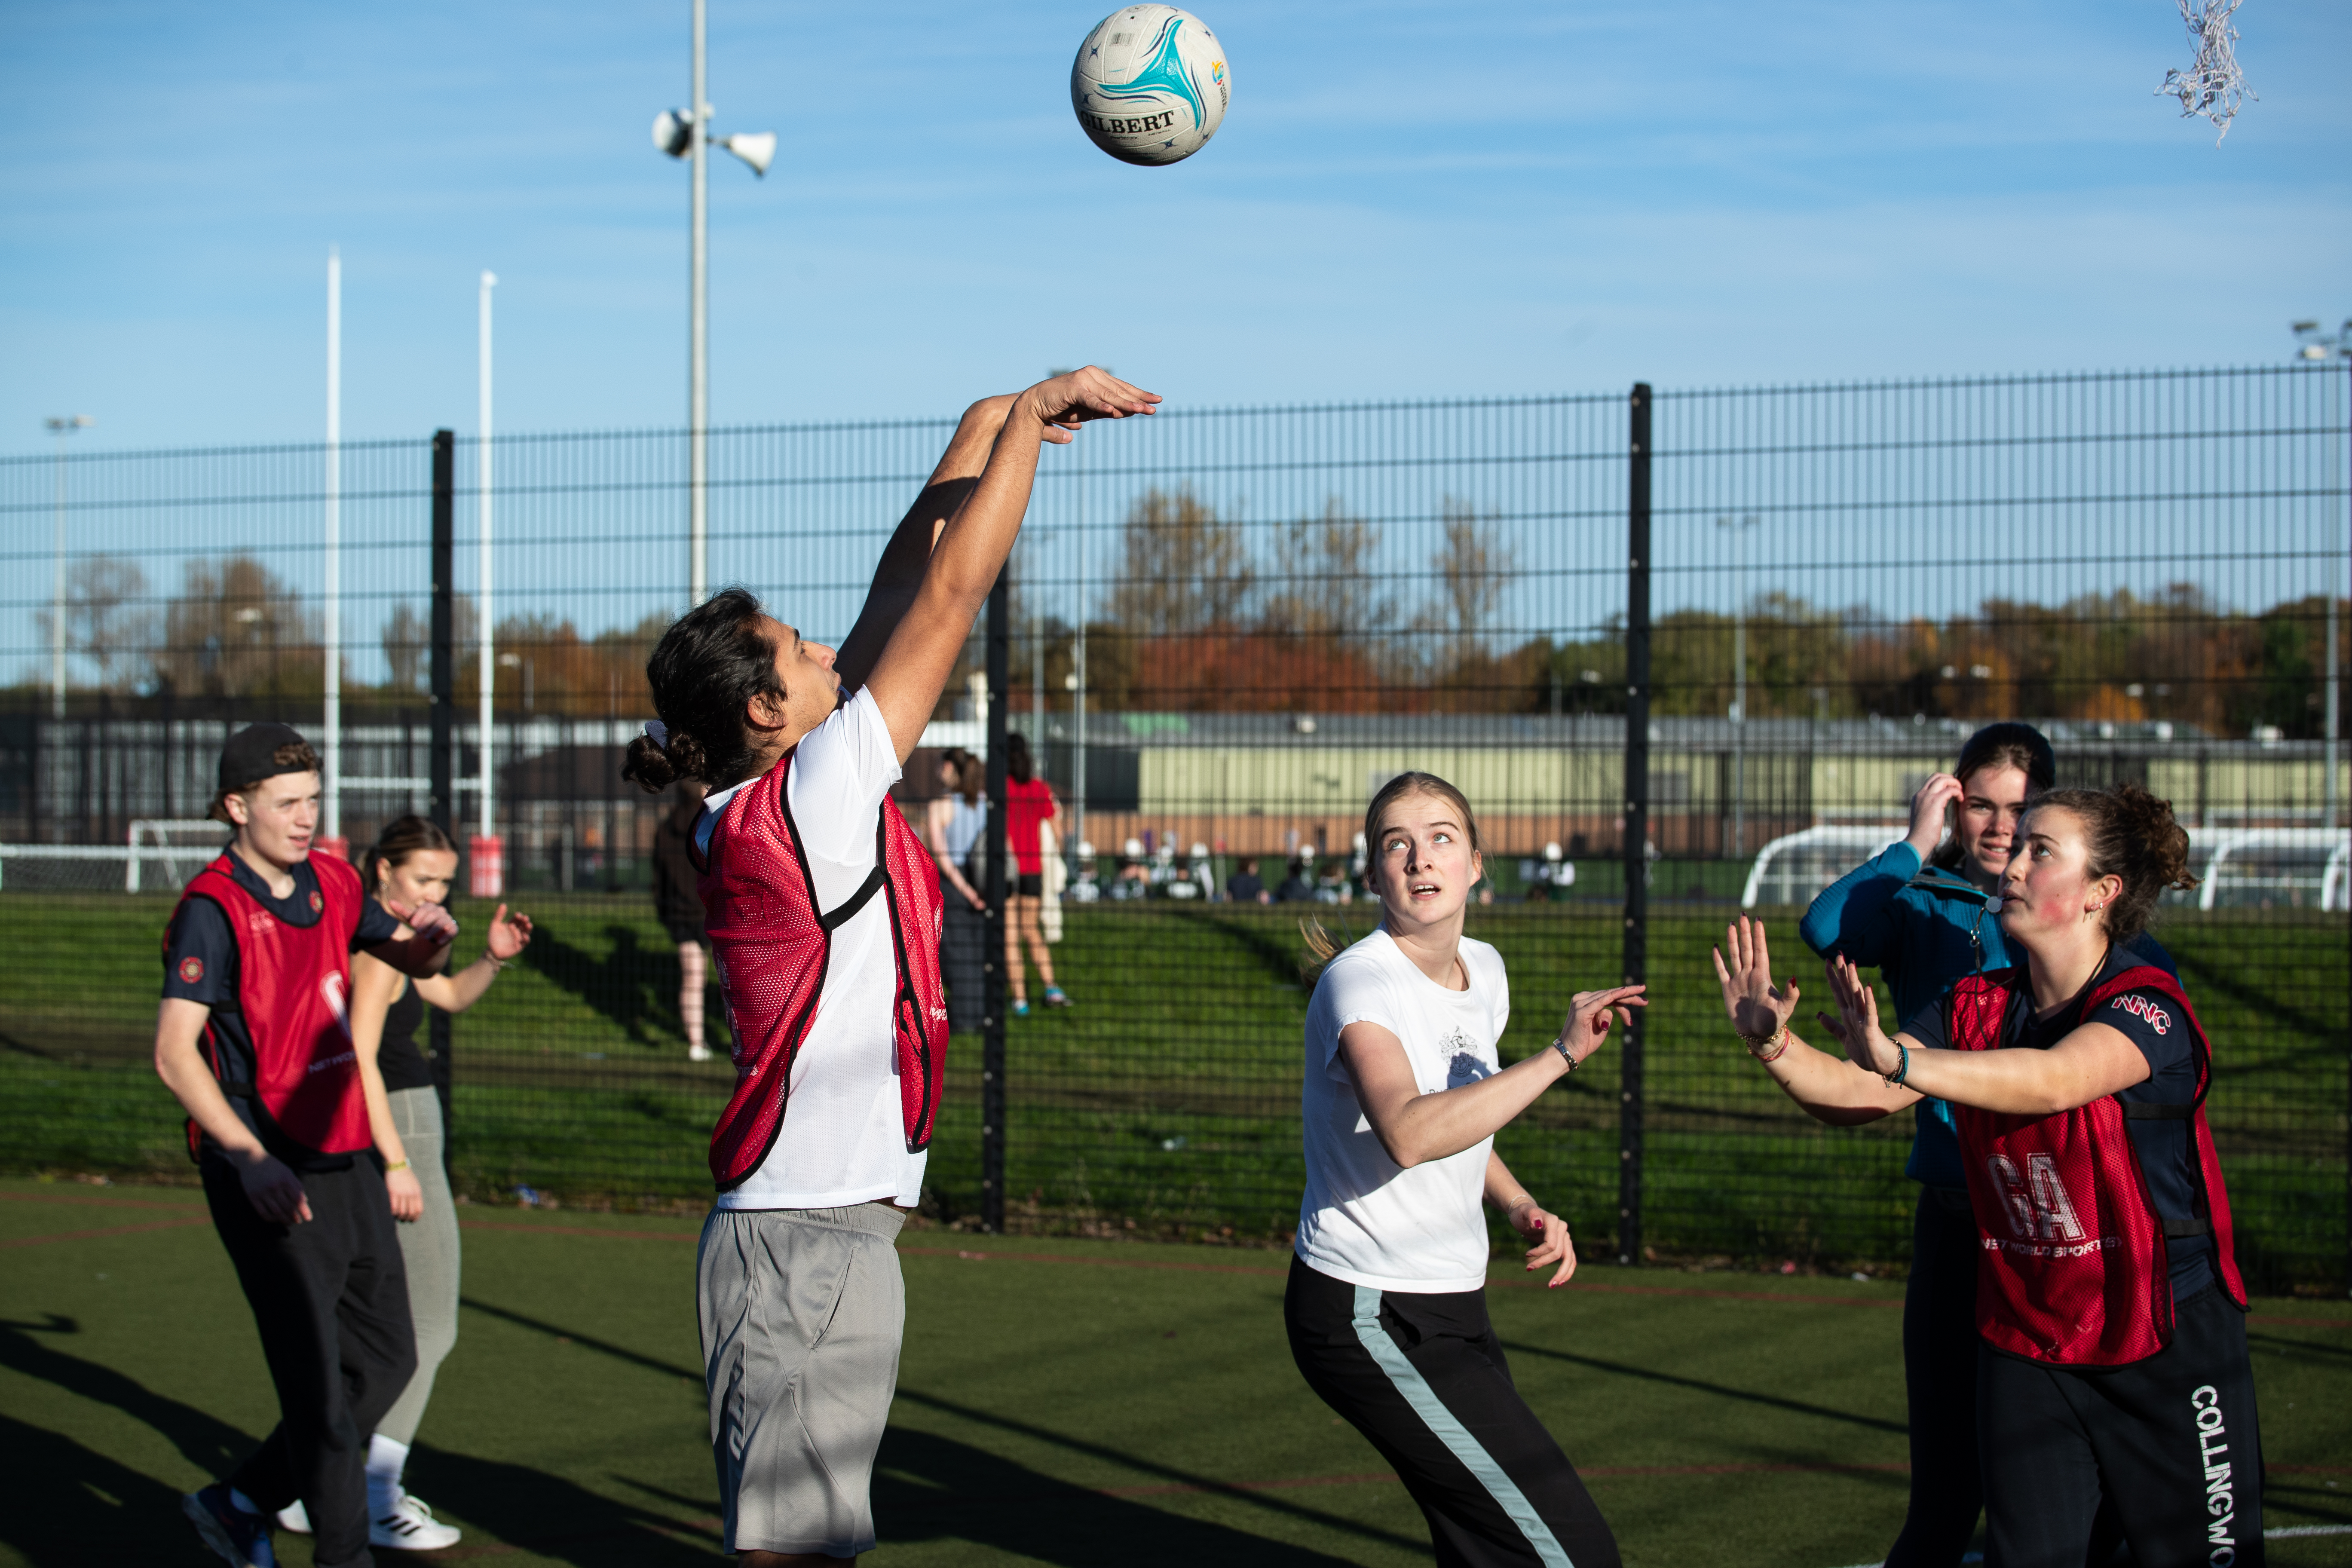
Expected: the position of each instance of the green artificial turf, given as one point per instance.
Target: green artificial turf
(1061, 1402)
(1167, 1098)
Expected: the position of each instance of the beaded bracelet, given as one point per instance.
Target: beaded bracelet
(1770, 1049)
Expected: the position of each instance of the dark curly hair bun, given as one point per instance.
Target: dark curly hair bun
(649, 766)
(2131, 835)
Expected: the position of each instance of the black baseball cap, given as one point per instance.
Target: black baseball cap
(251, 756)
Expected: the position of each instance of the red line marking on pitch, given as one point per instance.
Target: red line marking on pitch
(99, 1202)
(108, 1230)
(590, 1231)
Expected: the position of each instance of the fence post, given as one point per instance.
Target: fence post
(1637, 820)
(441, 762)
(994, 988)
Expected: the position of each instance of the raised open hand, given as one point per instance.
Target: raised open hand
(1070, 399)
(1590, 1014)
(508, 935)
(1856, 1022)
(1758, 1009)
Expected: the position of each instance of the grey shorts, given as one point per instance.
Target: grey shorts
(801, 1312)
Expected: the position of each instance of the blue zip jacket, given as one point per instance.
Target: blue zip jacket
(1923, 930)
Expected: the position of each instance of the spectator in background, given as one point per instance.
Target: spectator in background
(1334, 887)
(1299, 887)
(1028, 802)
(1245, 886)
(679, 908)
(1134, 878)
(952, 825)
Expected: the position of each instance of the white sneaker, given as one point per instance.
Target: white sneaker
(697, 1053)
(294, 1517)
(411, 1527)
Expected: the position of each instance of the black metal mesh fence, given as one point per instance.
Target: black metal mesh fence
(1228, 628)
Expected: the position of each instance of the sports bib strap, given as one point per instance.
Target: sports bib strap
(834, 919)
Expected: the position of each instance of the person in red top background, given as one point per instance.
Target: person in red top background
(1028, 804)
(2112, 1359)
(254, 1038)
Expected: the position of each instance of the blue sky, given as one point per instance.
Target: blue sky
(1405, 200)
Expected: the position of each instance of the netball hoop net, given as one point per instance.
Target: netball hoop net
(2212, 86)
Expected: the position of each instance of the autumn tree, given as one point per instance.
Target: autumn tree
(237, 629)
(108, 620)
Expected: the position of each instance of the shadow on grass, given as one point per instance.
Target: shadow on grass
(211, 1445)
(1720, 1391)
(930, 1487)
(1172, 1478)
(520, 1508)
(73, 1505)
(634, 985)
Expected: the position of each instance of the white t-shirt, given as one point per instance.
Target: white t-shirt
(845, 1134)
(1365, 1220)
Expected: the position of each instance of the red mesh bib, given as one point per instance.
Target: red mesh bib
(294, 986)
(771, 945)
(2075, 1269)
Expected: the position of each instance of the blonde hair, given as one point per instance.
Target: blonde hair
(1322, 947)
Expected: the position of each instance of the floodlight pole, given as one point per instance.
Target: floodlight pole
(1738, 679)
(1078, 676)
(61, 426)
(333, 804)
(698, 418)
(487, 662)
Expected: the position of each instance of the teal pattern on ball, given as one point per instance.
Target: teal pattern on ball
(1165, 74)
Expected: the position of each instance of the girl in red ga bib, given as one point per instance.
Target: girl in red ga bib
(2110, 1313)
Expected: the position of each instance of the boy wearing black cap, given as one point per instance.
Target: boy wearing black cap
(254, 1040)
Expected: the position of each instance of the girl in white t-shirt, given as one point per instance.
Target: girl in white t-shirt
(1387, 1304)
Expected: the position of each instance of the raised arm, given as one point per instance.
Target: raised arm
(1415, 1128)
(2092, 1062)
(922, 634)
(1829, 1088)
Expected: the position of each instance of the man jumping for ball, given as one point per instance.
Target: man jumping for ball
(822, 911)
(254, 1040)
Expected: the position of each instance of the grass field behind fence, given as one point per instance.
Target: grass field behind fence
(1166, 1100)
(1061, 1402)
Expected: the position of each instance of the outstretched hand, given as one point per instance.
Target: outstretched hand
(1590, 1014)
(508, 935)
(1760, 1009)
(1856, 1024)
(1070, 399)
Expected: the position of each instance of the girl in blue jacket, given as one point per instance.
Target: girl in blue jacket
(1917, 912)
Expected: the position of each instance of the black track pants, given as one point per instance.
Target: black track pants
(2172, 1442)
(330, 1299)
(1422, 1377)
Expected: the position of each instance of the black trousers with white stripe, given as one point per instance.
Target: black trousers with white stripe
(2173, 1443)
(1424, 1379)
